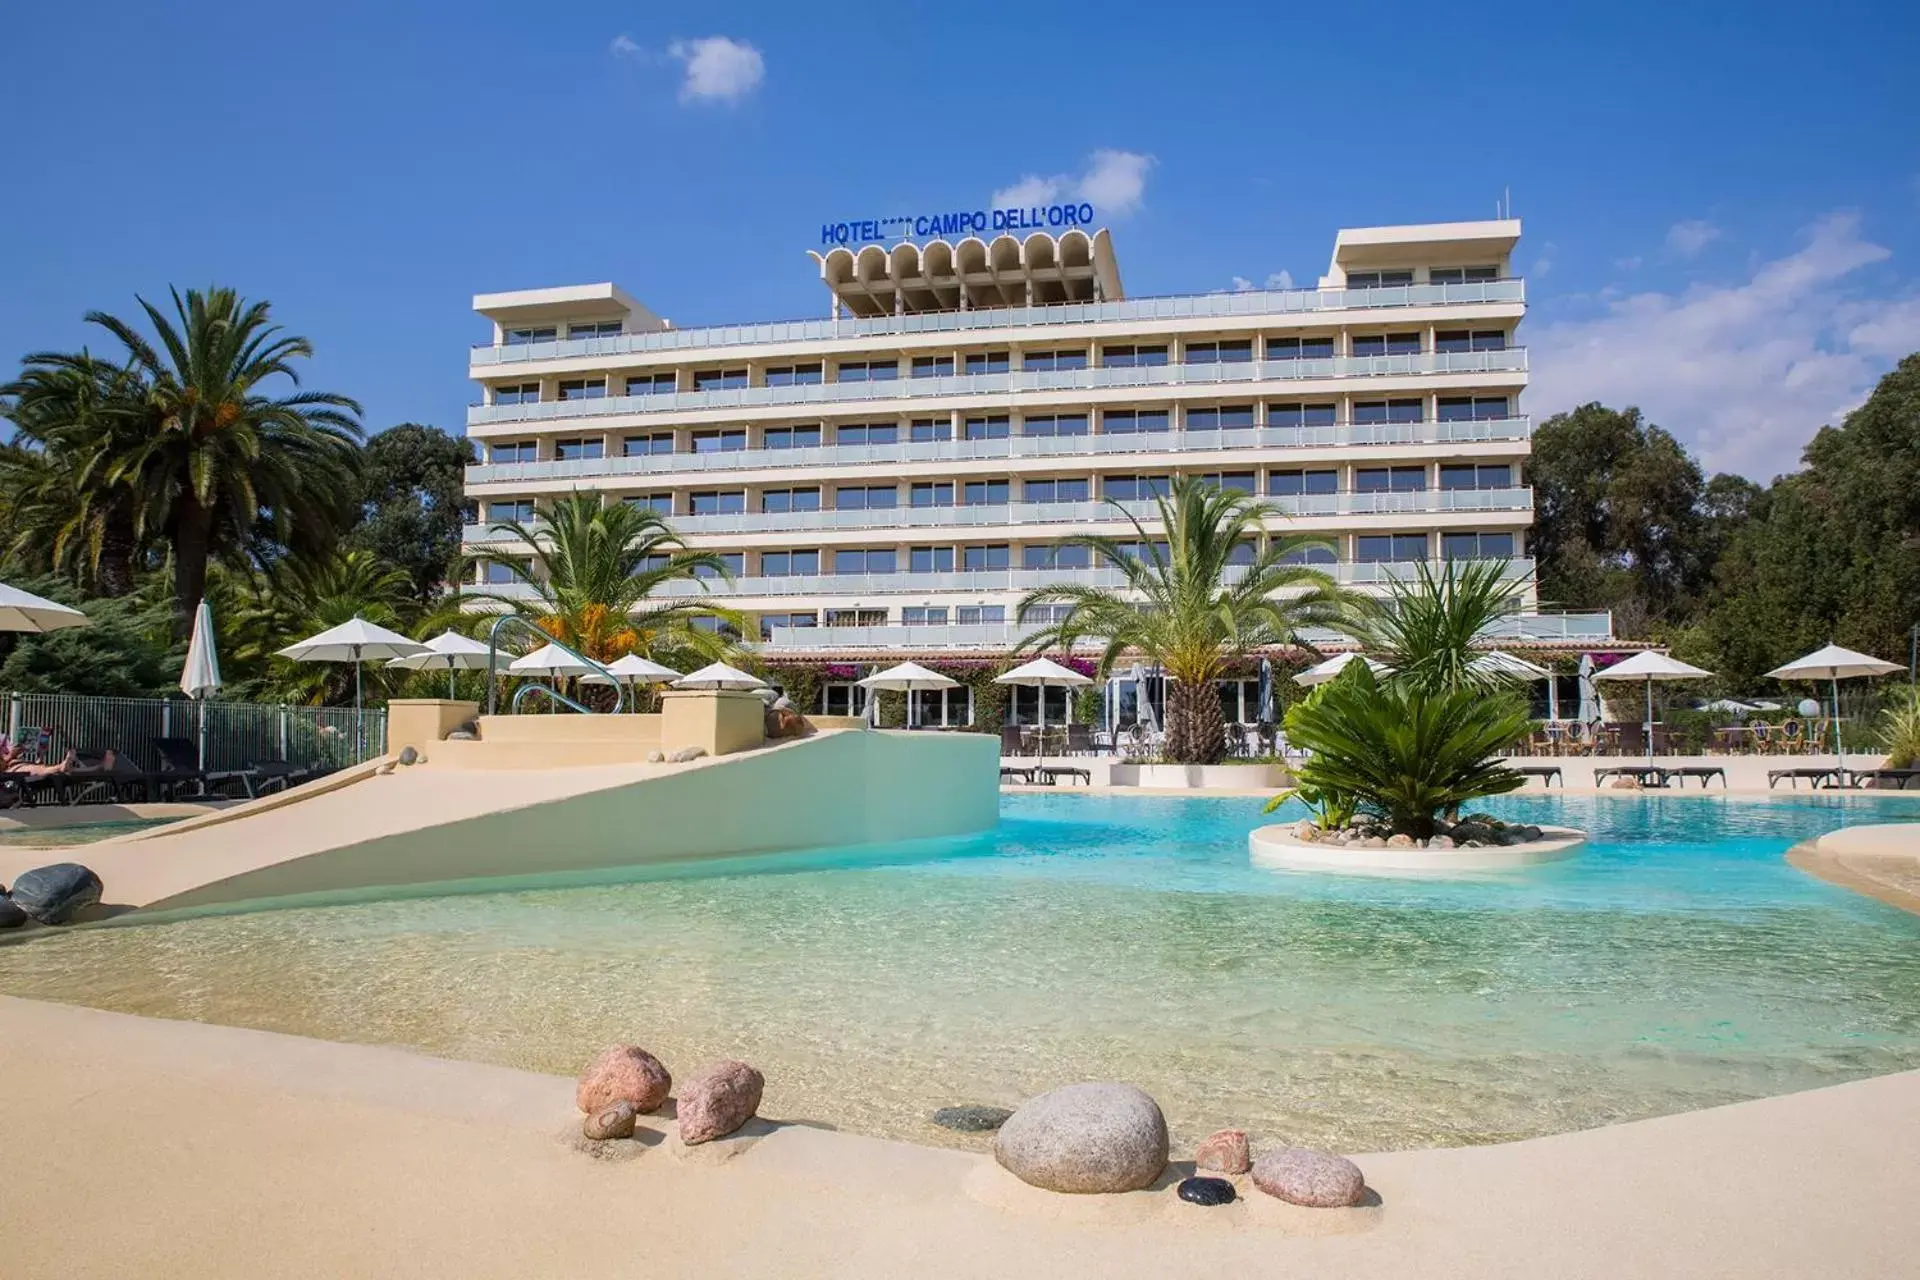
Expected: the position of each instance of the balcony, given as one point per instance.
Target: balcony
(656, 466)
(1225, 306)
(1246, 376)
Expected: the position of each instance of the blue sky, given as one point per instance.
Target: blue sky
(1722, 203)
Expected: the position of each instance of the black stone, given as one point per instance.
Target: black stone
(53, 895)
(971, 1119)
(1207, 1191)
(11, 916)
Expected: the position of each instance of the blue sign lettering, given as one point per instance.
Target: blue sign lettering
(960, 222)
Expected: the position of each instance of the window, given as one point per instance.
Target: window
(992, 428)
(928, 430)
(724, 502)
(1239, 700)
(869, 370)
(856, 617)
(727, 440)
(976, 615)
(1462, 275)
(732, 564)
(792, 437)
(719, 379)
(1134, 488)
(1299, 348)
(658, 503)
(513, 451)
(984, 559)
(1473, 408)
(794, 375)
(1309, 553)
(1144, 550)
(1469, 475)
(1120, 422)
(653, 384)
(1241, 552)
(1224, 418)
(942, 708)
(789, 564)
(877, 497)
(500, 512)
(645, 446)
(1070, 489)
(1383, 548)
(521, 337)
(1386, 344)
(781, 500)
(1132, 357)
(1374, 412)
(1048, 555)
(1057, 424)
(594, 329)
(719, 626)
(930, 560)
(1378, 279)
(1300, 415)
(1476, 546)
(987, 493)
(1470, 340)
(583, 389)
(1044, 613)
(1050, 360)
(867, 433)
(517, 393)
(1291, 484)
(1237, 352)
(923, 616)
(768, 621)
(1243, 481)
(1389, 479)
(933, 366)
(498, 571)
(929, 493)
(988, 362)
(577, 450)
(864, 560)
(843, 699)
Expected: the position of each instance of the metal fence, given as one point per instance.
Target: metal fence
(229, 735)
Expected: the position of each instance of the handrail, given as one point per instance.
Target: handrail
(520, 694)
(493, 657)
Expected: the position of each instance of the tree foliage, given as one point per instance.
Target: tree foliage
(412, 503)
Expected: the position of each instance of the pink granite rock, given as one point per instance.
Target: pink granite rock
(1224, 1152)
(718, 1101)
(624, 1071)
(615, 1121)
(1311, 1178)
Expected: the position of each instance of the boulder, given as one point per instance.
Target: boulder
(971, 1119)
(11, 916)
(785, 722)
(1624, 784)
(55, 894)
(685, 754)
(1305, 830)
(656, 757)
(614, 1121)
(1224, 1152)
(1399, 840)
(1311, 1178)
(1440, 842)
(624, 1072)
(1085, 1138)
(718, 1101)
(1206, 1191)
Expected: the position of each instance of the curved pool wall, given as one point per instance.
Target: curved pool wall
(1678, 963)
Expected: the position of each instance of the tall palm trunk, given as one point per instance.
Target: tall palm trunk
(118, 548)
(192, 544)
(1196, 731)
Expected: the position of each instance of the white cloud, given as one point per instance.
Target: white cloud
(623, 46)
(1746, 372)
(1275, 280)
(1628, 264)
(1688, 238)
(1114, 183)
(718, 69)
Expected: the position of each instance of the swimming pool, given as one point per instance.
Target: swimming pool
(77, 833)
(1677, 963)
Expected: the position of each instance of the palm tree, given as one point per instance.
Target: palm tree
(223, 467)
(302, 598)
(1188, 606)
(594, 573)
(1428, 629)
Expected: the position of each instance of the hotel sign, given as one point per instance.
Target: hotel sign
(962, 222)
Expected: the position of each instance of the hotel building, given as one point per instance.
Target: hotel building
(890, 480)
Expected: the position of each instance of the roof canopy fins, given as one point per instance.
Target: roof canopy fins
(972, 274)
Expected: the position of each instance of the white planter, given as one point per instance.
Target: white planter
(1201, 777)
(1277, 846)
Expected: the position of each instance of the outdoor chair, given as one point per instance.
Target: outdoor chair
(179, 767)
(1080, 740)
(1010, 744)
(1763, 743)
(1792, 738)
(1630, 739)
(1267, 732)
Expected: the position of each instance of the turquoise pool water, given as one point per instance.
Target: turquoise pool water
(78, 833)
(1678, 963)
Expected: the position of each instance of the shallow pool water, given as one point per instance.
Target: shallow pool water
(78, 833)
(1679, 962)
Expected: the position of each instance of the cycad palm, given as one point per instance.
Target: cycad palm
(1189, 608)
(594, 572)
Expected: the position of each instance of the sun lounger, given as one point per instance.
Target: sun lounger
(1011, 773)
(1547, 773)
(1816, 777)
(1049, 774)
(1645, 774)
(1704, 773)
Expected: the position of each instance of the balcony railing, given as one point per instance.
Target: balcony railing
(1252, 303)
(1026, 514)
(919, 390)
(846, 456)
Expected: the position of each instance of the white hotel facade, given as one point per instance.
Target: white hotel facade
(890, 480)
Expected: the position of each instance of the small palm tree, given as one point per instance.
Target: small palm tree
(1212, 593)
(593, 576)
(1428, 630)
(303, 598)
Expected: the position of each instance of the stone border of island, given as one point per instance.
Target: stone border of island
(1477, 842)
